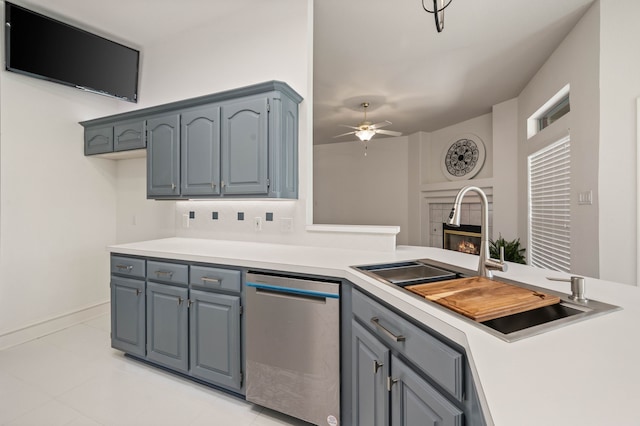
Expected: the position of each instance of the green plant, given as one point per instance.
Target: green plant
(512, 250)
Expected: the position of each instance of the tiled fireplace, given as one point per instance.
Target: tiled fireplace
(470, 215)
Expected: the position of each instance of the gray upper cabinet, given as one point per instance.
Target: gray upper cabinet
(200, 146)
(244, 146)
(163, 156)
(98, 140)
(129, 135)
(238, 143)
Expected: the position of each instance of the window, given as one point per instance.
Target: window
(555, 108)
(550, 207)
(554, 113)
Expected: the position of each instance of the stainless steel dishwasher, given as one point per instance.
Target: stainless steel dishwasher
(293, 346)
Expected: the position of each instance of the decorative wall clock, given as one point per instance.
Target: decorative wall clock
(463, 157)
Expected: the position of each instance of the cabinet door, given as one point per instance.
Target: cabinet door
(163, 156)
(215, 338)
(129, 135)
(98, 140)
(370, 369)
(244, 146)
(200, 142)
(415, 402)
(127, 315)
(167, 326)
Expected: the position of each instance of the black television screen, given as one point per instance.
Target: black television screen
(45, 48)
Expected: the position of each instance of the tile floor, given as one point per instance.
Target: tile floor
(73, 377)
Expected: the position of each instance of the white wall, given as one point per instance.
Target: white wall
(137, 218)
(57, 207)
(351, 188)
(574, 62)
(619, 88)
(505, 169)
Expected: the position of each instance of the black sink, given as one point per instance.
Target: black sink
(528, 319)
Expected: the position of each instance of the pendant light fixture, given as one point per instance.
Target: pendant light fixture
(438, 11)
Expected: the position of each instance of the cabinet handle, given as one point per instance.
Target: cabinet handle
(138, 292)
(180, 300)
(173, 186)
(376, 366)
(211, 280)
(128, 268)
(390, 382)
(164, 273)
(213, 185)
(222, 184)
(189, 303)
(375, 321)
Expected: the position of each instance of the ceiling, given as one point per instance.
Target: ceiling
(385, 52)
(388, 52)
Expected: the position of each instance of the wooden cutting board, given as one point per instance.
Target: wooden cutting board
(482, 299)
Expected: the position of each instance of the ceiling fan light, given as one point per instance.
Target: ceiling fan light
(365, 135)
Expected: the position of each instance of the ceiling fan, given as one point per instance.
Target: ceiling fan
(365, 130)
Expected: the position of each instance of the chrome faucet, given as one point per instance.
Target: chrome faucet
(486, 264)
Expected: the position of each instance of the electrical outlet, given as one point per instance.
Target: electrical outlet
(257, 224)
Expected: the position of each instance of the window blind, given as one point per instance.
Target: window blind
(550, 207)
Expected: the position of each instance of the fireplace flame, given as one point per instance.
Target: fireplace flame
(467, 247)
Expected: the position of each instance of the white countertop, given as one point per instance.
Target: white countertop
(582, 374)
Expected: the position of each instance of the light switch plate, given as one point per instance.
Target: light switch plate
(585, 198)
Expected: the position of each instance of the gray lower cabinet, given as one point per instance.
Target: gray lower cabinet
(215, 338)
(127, 315)
(370, 369)
(403, 375)
(163, 156)
(186, 317)
(128, 328)
(415, 402)
(167, 325)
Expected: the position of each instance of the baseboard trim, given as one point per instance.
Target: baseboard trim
(42, 328)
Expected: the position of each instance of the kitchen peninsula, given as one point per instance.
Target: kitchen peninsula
(581, 374)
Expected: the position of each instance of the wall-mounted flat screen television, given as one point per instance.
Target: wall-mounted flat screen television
(42, 47)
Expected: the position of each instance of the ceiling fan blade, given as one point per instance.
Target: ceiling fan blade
(389, 132)
(345, 134)
(350, 127)
(381, 124)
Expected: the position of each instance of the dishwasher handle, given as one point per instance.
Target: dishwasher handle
(292, 291)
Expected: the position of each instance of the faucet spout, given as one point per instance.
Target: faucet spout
(485, 264)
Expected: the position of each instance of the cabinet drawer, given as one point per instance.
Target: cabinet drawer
(129, 135)
(174, 273)
(98, 140)
(437, 359)
(215, 278)
(127, 266)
